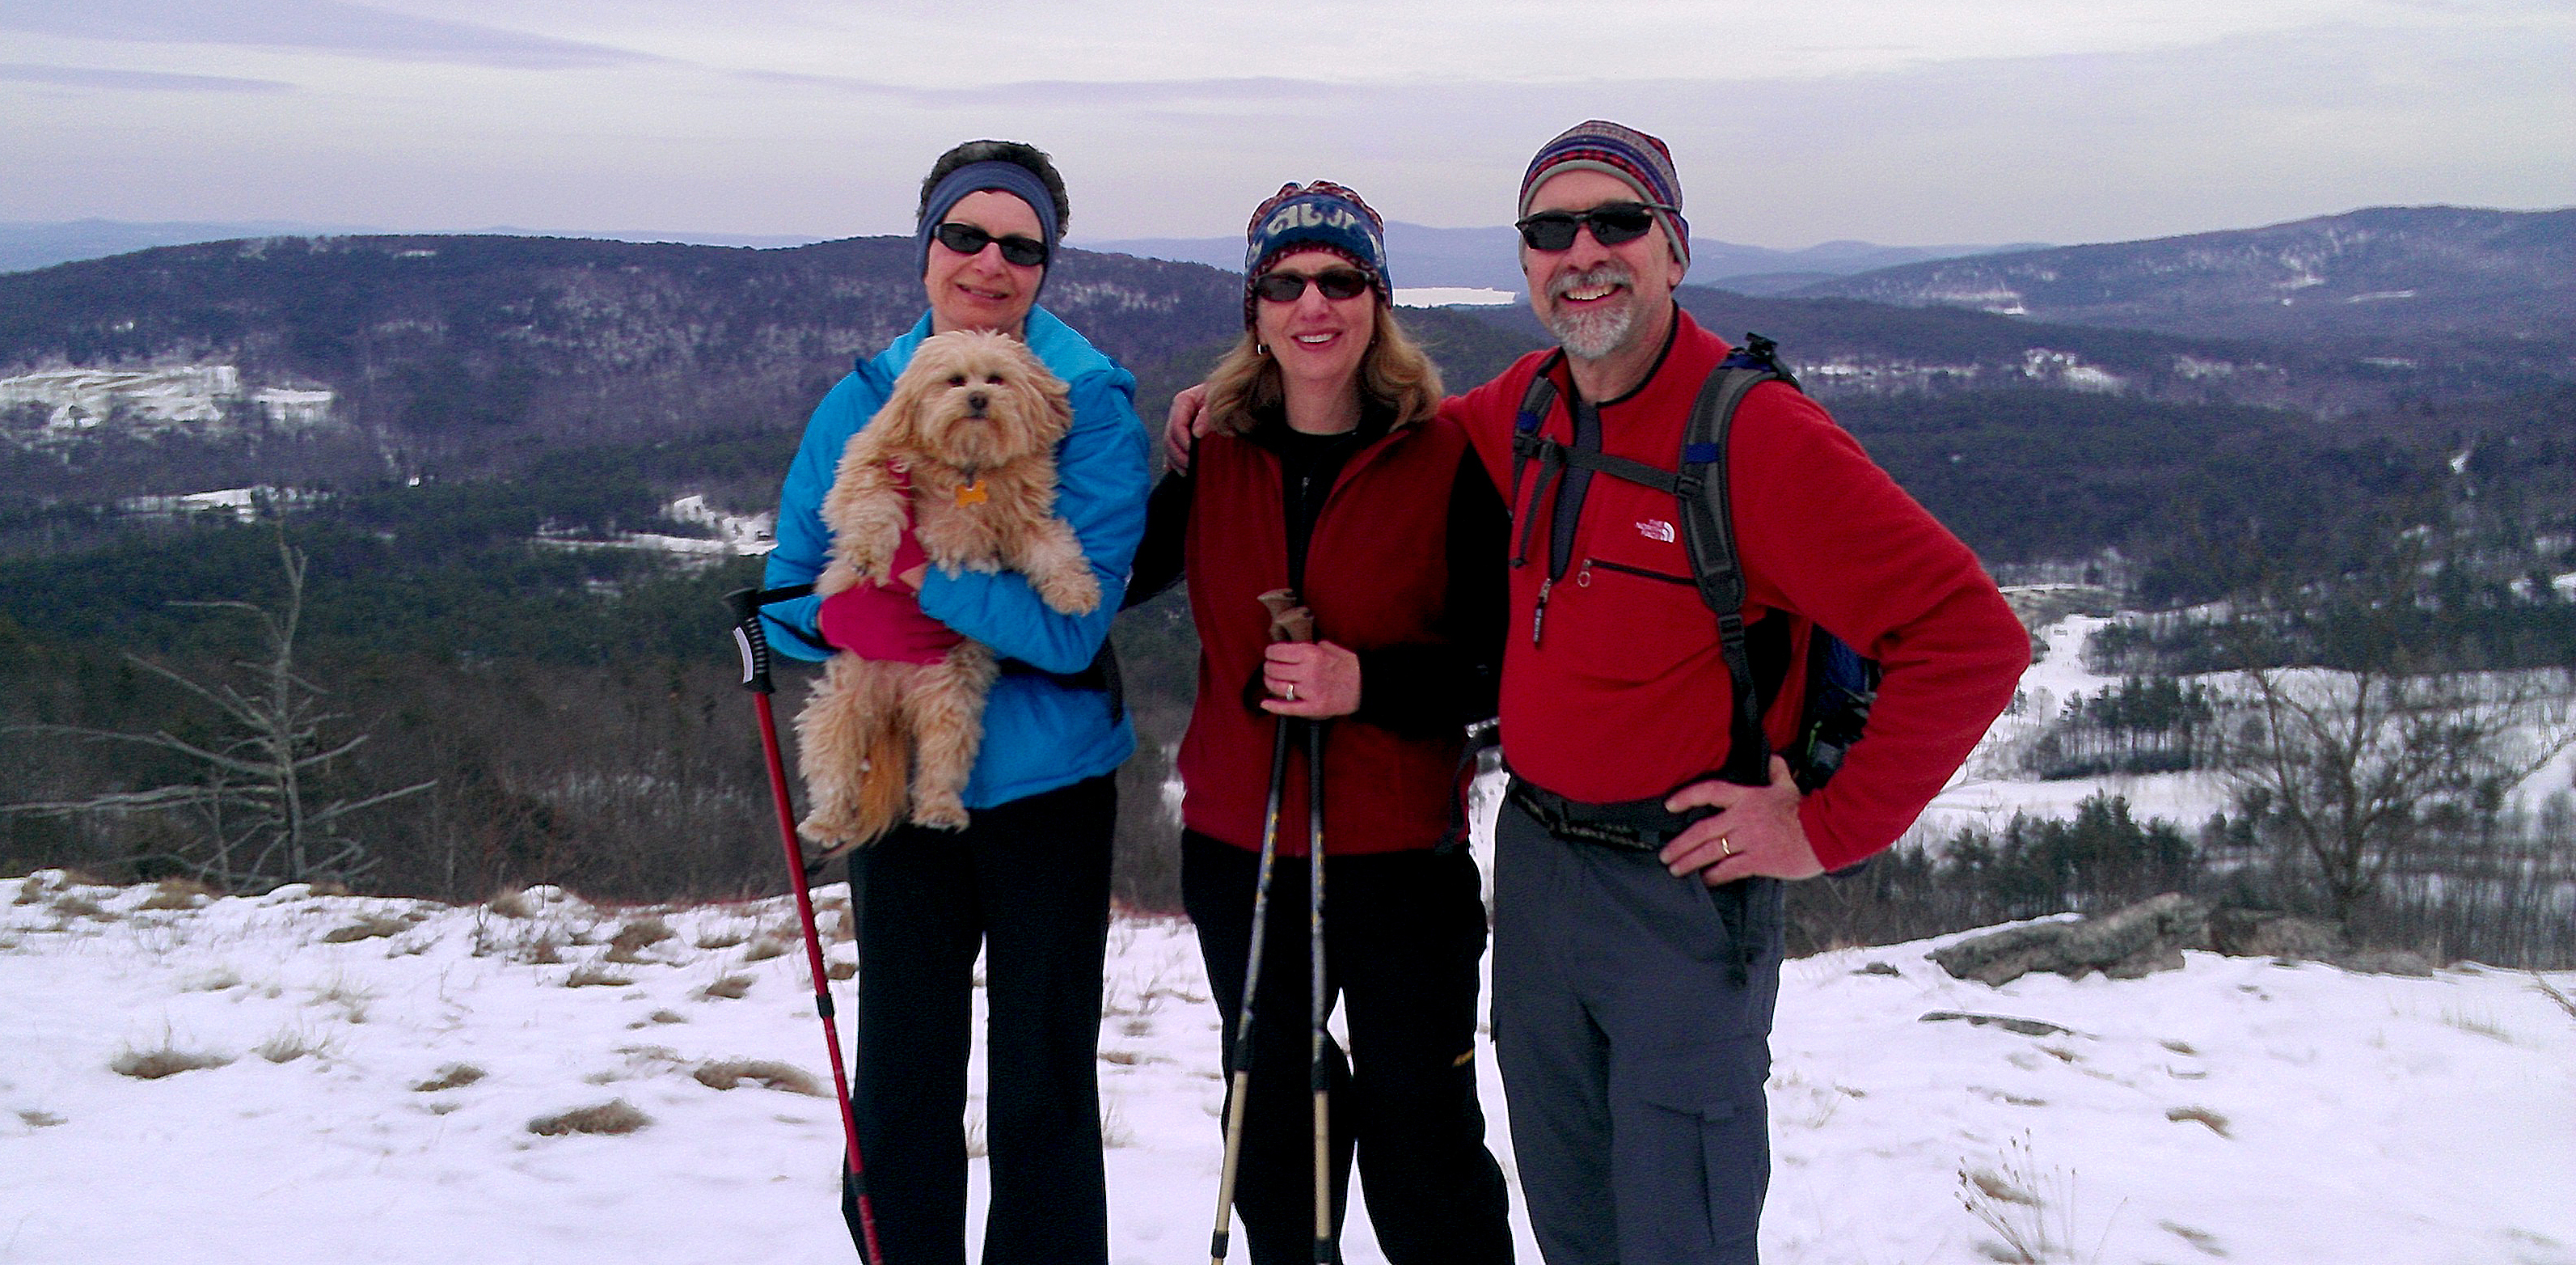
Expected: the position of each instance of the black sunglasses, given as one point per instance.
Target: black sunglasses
(1288, 287)
(966, 239)
(1611, 223)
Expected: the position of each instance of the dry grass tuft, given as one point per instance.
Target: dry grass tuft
(74, 905)
(768, 945)
(724, 939)
(595, 977)
(730, 988)
(615, 1116)
(169, 1060)
(667, 1016)
(2198, 1115)
(628, 945)
(642, 933)
(840, 970)
(39, 1119)
(351, 998)
(33, 891)
(214, 981)
(290, 1044)
(454, 1076)
(2201, 1241)
(368, 927)
(511, 904)
(178, 893)
(545, 950)
(2178, 1047)
(728, 1073)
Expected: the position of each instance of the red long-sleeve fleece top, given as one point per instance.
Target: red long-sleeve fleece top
(1621, 693)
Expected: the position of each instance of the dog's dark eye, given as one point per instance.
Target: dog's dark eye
(957, 379)
(995, 380)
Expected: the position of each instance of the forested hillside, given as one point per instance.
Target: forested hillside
(459, 430)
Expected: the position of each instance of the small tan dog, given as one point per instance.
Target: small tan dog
(963, 453)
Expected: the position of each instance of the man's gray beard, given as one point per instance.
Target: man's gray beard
(1594, 333)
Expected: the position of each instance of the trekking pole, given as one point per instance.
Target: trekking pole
(1284, 626)
(1319, 1075)
(856, 1208)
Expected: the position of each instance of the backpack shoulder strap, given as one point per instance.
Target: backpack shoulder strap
(1708, 534)
(1528, 445)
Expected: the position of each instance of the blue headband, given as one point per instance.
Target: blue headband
(1006, 177)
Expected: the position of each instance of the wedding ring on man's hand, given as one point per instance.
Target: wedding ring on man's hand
(1725, 850)
(1288, 692)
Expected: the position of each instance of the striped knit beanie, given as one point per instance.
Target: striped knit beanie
(1633, 158)
(1317, 216)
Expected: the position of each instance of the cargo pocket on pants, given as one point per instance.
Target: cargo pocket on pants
(1707, 1162)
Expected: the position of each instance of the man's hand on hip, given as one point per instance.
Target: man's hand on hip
(1754, 834)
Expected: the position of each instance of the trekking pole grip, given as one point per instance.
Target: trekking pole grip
(750, 641)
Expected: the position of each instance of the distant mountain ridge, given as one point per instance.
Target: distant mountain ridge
(30, 245)
(466, 355)
(1486, 258)
(2375, 282)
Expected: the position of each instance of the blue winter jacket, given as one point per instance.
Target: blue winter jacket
(1038, 734)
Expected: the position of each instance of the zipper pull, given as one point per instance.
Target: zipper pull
(1538, 614)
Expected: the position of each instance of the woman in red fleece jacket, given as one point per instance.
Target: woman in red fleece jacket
(1329, 472)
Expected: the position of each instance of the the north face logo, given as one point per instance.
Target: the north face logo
(1655, 529)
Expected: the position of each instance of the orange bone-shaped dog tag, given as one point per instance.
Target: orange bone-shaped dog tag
(971, 493)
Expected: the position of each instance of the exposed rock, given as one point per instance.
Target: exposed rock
(2257, 933)
(1878, 968)
(2145, 937)
(2026, 1027)
(2384, 962)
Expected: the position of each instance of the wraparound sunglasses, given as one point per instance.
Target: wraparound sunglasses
(966, 239)
(1288, 287)
(1611, 223)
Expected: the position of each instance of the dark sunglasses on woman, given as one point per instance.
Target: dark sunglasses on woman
(1288, 287)
(1611, 223)
(966, 239)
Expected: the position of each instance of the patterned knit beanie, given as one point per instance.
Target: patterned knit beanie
(1317, 216)
(1633, 158)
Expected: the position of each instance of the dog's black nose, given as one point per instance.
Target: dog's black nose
(977, 400)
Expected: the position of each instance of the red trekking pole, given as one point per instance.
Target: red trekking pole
(856, 1208)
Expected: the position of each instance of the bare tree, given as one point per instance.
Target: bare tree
(249, 805)
(2356, 770)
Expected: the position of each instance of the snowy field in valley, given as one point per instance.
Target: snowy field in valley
(377, 1072)
(384, 1064)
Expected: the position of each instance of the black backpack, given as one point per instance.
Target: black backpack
(1840, 683)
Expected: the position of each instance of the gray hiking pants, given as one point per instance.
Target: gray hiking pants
(1632, 1021)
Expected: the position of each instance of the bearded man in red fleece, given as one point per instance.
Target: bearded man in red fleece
(1637, 937)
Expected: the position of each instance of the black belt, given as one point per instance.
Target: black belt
(1636, 825)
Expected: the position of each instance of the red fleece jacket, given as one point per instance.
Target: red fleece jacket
(1621, 693)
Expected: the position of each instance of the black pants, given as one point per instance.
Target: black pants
(1028, 883)
(1403, 933)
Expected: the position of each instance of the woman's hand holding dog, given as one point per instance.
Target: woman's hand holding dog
(1312, 679)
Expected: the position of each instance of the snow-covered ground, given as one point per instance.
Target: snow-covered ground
(1993, 786)
(2236, 1110)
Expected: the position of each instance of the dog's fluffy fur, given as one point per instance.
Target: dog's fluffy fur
(971, 406)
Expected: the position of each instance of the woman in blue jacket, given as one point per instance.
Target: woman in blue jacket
(1027, 881)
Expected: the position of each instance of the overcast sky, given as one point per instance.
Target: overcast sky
(1932, 122)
